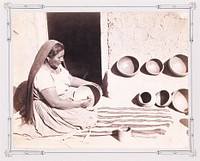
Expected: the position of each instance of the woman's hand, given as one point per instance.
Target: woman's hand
(85, 102)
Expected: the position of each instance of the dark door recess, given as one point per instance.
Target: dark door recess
(80, 33)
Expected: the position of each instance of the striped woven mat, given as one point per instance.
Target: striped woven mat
(143, 121)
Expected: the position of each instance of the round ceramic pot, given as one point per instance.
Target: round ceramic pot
(178, 65)
(124, 134)
(154, 66)
(163, 98)
(20, 96)
(128, 66)
(180, 100)
(146, 99)
(92, 91)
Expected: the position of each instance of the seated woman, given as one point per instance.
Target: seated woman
(50, 106)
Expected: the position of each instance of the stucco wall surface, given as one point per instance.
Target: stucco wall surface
(145, 35)
(29, 32)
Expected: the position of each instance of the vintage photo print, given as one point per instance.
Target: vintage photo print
(100, 79)
(139, 60)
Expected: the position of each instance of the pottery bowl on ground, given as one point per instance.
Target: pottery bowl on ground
(178, 65)
(92, 91)
(128, 66)
(163, 98)
(154, 66)
(180, 100)
(146, 99)
(20, 96)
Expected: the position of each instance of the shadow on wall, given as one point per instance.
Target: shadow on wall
(177, 66)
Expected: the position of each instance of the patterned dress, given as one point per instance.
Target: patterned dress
(54, 121)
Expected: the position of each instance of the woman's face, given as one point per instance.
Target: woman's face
(56, 60)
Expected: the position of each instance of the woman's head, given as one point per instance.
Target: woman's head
(55, 50)
(55, 56)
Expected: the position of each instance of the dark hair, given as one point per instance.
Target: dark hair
(55, 50)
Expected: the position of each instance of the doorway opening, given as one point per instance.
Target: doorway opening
(80, 34)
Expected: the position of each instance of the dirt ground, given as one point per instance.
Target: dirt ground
(176, 137)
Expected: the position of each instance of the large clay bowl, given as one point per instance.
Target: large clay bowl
(20, 96)
(180, 100)
(92, 91)
(154, 66)
(146, 99)
(128, 66)
(178, 65)
(163, 98)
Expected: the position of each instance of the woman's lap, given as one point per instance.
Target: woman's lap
(54, 120)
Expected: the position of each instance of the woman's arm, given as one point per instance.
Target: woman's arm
(76, 82)
(52, 98)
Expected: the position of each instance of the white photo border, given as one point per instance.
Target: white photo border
(190, 8)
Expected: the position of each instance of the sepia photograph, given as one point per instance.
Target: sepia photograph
(100, 79)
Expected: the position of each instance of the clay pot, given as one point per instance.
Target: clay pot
(146, 99)
(180, 100)
(154, 66)
(124, 134)
(20, 96)
(92, 91)
(163, 98)
(128, 66)
(178, 65)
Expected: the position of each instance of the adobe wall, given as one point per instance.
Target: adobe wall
(29, 32)
(145, 35)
